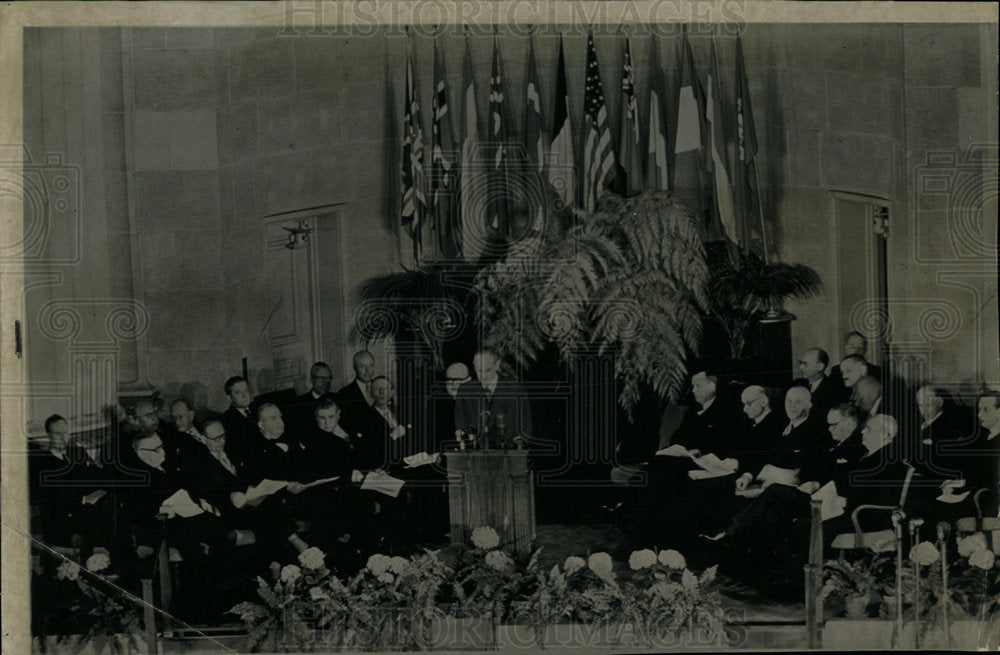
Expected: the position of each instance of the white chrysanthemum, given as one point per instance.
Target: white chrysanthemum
(924, 553)
(386, 577)
(318, 594)
(98, 562)
(485, 537)
(399, 565)
(312, 558)
(497, 560)
(290, 573)
(600, 563)
(673, 559)
(641, 559)
(68, 571)
(379, 564)
(972, 543)
(574, 564)
(983, 559)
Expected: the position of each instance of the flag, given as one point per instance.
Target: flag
(598, 150)
(657, 167)
(499, 210)
(629, 165)
(724, 217)
(561, 165)
(414, 202)
(534, 139)
(534, 203)
(472, 172)
(747, 198)
(689, 141)
(443, 182)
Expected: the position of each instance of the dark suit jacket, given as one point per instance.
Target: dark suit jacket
(508, 399)
(373, 447)
(241, 432)
(352, 404)
(759, 442)
(711, 432)
(804, 447)
(328, 455)
(299, 415)
(830, 392)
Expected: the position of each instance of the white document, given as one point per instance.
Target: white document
(181, 504)
(771, 474)
(833, 504)
(316, 483)
(675, 450)
(92, 498)
(382, 483)
(263, 489)
(705, 474)
(713, 464)
(420, 459)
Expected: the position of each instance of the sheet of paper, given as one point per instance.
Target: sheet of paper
(704, 474)
(771, 474)
(182, 505)
(951, 498)
(382, 483)
(92, 498)
(315, 483)
(263, 489)
(717, 467)
(421, 459)
(750, 492)
(675, 450)
(833, 504)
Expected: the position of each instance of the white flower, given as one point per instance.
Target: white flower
(68, 571)
(574, 564)
(600, 563)
(399, 565)
(290, 573)
(378, 564)
(672, 559)
(386, 577)
(982, 559)
(312, 558)
(318, 594)
(924, 553)
(485, 537)
(641, 559)
(497, 560)
(98, 562)
(971, 544)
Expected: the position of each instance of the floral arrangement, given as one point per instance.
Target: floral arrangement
(82, 605)
(392, 602)
(858, 583)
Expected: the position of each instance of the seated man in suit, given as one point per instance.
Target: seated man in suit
(853, 368)
(355, 398)
(183, 416)
(320, 378)
(241, 426)
(826, 391)
(493, 406)
(855, 345)
(67, 490)
(867, 396)
(378, 439)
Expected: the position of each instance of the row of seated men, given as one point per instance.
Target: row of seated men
(826, 431)
(323, 445)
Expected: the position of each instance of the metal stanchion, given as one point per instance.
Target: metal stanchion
(897, 523)
(914, 540)
(149, 616)
(943, 529)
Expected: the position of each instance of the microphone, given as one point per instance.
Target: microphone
(943, 530)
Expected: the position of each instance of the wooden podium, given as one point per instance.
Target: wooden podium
(494, 488)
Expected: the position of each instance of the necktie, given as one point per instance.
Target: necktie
(224, 460)
(788, 430)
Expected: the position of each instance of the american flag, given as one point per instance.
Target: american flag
(598, 151)
(414, 203)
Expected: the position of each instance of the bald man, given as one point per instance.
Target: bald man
(867, 396)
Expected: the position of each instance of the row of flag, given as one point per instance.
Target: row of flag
(466, 199)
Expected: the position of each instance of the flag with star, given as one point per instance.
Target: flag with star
(414, 202)
(629, 146)
(598, 149)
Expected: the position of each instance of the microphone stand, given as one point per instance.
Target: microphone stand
(943, 529)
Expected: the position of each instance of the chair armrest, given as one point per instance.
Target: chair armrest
(857, 526)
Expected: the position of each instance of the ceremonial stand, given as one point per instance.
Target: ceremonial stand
(492, 488)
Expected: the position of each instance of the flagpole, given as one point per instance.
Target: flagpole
(763, 230)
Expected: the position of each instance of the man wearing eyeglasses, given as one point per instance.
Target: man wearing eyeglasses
(320, 379)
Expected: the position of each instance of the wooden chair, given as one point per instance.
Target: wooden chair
(883, 540)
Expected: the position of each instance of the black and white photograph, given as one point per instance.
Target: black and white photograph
(453, 326)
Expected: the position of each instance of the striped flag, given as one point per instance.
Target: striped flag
(499, 210)
(534, 138)
(561, 164)
(629, 164)
(747, 197)
(689, 141)
(473, 176)
(414, 203)
(598, 149)
(443, 182)
(723, 214)
(657, 166)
